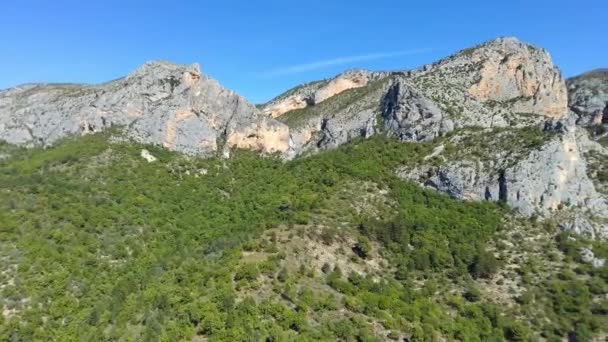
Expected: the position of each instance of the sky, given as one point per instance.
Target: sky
(262, 48)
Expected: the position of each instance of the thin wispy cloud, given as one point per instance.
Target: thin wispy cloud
(299, 68)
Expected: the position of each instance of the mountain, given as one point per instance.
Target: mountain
(504, 88)
(492, 85)
(465, 200)
(500, 88)
(174, 106)
(496, 84)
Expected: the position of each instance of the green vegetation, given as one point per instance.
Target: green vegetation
(355, 99)
(481, 144)
(299, 89)
(98, 244)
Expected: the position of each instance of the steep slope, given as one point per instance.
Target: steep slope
(314, 93)
(100, 243)
(160, 103)
(588, 97)
(533, 158)
(502, 84)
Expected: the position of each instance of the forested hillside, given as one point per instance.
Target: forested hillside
(96, 243)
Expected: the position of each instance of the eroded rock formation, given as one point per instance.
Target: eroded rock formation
(160, 103)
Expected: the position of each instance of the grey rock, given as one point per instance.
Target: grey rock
(410, 116)
(587, 256)
(580, 224)
(160, 103)
(538, 181)
(588, 97)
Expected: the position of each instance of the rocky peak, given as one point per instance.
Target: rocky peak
(506, 71)
(175, 106)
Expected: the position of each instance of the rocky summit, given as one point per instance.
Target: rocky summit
(501, 83)
(161, 103)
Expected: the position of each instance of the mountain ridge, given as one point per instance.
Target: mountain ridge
(499, 84)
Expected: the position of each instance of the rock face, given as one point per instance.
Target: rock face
(489, 84)
(522, 74)
(549, 177)
(410, 116)
(588, 97)
(502, 83)
(314, 93)
(160, 103)
(539, 180)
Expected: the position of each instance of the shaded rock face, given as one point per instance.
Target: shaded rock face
(160, 103)
(588, 97)
(410, 116)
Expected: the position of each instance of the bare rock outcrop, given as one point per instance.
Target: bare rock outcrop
(588, 97)
(521, 73)
(160, 103)
(316, 92)
(504, 72)
(410, 116)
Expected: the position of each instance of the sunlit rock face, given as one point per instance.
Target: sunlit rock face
(522, 74)
(161, 103)
(317, 92)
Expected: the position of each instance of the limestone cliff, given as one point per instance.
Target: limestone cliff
(316, 92)
(501, 83)
(537, 172)
(160, 103)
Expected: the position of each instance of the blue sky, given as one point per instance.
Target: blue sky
(261, 48)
